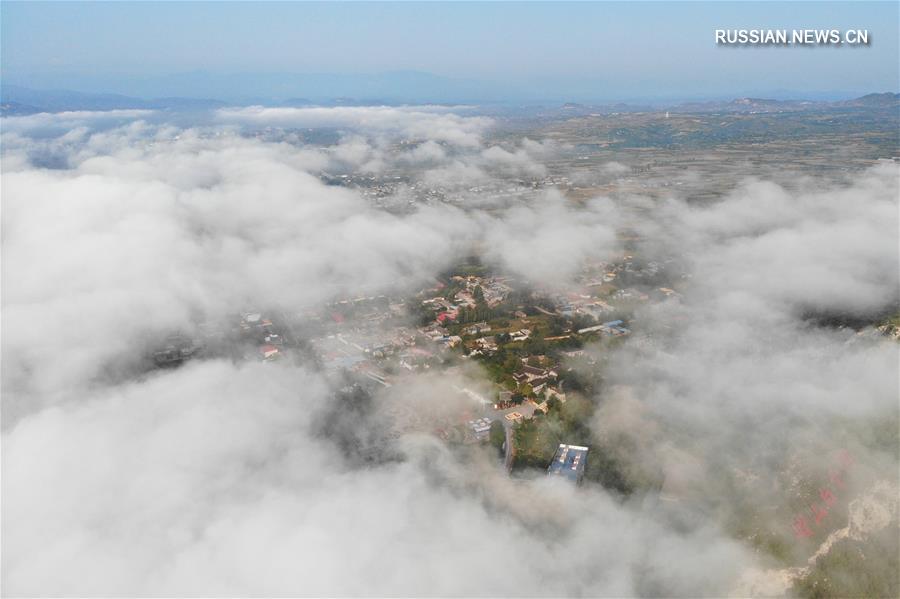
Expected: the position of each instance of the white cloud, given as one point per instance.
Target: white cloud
(209, 480)
(415, 122)
(215, 479)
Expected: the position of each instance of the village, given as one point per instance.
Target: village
(522, 338)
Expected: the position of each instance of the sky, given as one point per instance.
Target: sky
(503, 50)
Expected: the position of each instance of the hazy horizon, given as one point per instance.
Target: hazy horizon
(601, 52)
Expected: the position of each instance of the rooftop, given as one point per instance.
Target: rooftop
(569, 462)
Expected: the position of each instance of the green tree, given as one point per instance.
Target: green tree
(478, 294)
(552, 405)
(512, 363)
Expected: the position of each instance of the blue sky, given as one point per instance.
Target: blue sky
(611, 50)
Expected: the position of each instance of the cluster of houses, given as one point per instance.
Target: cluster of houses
(437, 333)
(630, 295)
(445, 310)
(477, 329)
(539, 384)
(355, 336)
(250, 336)
(480, 427)
(635, 281)
(484, 346)
(175, 349)
(259, 330)
(586, 305)
(493, 289)
(364, 348)
(538, 378)
(520, 335)
(613, 328)
(890, 330)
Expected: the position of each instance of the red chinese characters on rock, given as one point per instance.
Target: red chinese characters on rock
(819, 512)
(844, 459)
(801, 528)
(835, 477)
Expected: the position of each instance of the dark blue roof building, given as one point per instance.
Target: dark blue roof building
(569, 462)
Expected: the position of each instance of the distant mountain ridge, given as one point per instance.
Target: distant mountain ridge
(414, 87)
(885, 99)
(17, 101)
(879, 101)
